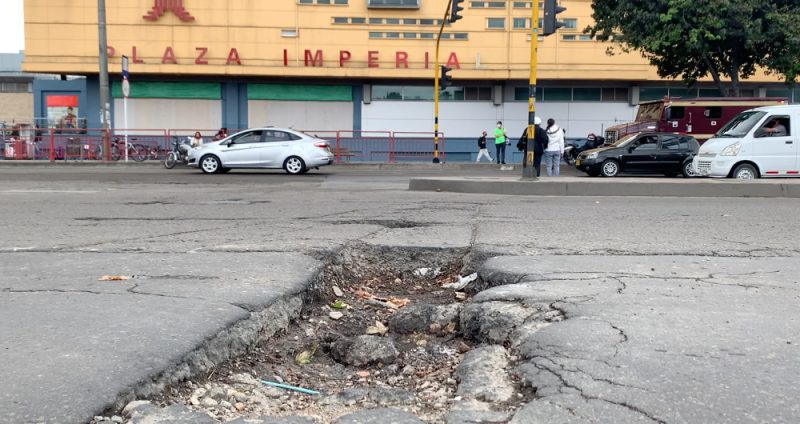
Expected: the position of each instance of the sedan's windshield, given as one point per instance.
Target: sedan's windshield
(624, 140)
(741, 124)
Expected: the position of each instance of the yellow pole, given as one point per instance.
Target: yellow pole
(528, 172)
(436, 89)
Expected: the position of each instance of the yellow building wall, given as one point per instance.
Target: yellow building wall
(61, 37)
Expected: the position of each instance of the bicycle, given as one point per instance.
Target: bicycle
(137, 152)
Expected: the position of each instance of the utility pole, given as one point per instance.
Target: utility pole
(528, 171)
(436, 71)
(103, 56)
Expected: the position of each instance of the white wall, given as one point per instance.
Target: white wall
(468, 119)
(169, 113)
(302, 115)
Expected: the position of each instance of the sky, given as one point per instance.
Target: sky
(12, 38)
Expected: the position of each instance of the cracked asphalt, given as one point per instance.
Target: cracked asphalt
(673, 310)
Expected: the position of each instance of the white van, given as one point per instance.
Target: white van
(761, 142)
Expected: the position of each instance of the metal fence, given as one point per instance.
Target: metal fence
(88, 144)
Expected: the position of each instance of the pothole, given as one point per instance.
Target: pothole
(381, 327)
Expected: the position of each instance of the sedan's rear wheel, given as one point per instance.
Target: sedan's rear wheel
(294, 165)
(610, 168)
(210, 164)
(745, 171)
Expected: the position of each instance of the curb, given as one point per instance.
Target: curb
(656, 188)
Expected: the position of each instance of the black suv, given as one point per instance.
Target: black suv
(644, 153)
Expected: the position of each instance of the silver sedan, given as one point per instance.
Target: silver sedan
(263, 148)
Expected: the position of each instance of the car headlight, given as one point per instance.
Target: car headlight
(731, 150)
(592, 155)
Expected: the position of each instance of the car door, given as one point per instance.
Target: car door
(673, 150)
(278, 147)
(640, 156)
(773, 152)
(243, 149)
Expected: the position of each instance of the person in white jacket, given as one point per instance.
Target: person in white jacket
(555, 148)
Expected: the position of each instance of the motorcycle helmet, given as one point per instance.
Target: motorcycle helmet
(537, 121)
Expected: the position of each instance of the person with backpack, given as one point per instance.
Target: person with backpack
(540, 141)
(482, 146)
(555, 148)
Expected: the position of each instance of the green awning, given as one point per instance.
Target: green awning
(325, 93)
(170, 90)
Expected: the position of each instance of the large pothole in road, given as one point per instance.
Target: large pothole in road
(381, 328)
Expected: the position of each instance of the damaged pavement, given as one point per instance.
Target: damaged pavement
(225, 290)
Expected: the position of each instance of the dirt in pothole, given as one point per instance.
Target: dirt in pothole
(421, 379)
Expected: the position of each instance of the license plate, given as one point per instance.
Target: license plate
(577, 163)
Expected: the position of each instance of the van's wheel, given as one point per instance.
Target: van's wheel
(745, 171)
(688, 170)
(294, 165)
(210, 164)
(610, 168)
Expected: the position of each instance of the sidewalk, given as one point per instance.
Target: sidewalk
(620, 186)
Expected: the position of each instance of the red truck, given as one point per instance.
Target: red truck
(701, 117)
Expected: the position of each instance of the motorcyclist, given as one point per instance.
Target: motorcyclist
(192, 143)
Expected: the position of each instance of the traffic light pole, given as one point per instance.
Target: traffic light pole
(436, 71)
(528, 171)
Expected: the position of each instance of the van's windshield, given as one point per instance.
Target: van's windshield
(741, 124)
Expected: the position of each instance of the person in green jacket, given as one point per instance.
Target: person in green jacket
(500, 141)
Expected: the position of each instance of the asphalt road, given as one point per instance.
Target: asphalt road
(707, 308)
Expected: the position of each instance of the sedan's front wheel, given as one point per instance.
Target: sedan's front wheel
(294, 165)
(210, 164)
(610, 168)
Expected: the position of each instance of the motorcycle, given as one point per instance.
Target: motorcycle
(575, 147)
(176, 154)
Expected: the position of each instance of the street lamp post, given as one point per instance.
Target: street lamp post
(103, 56)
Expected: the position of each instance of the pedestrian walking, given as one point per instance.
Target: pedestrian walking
(482, 146)
(500, 143)
(555, 148)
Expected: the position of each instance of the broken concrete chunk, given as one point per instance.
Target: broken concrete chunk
(493, 322)
(482, 375)
(419, 318)
(379, 416)
(173, 414)
(364, 350)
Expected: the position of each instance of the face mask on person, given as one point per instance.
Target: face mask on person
(498, 125)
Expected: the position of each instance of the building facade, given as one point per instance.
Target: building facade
(340, 65)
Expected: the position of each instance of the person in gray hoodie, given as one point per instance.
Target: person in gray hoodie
(555, 148)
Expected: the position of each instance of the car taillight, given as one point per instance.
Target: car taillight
(321, 144)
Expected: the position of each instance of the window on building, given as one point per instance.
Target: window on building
(387, 92)
(392, 35)
(522, 5)
(338, 20)
(708, 92)
(425, 93)
(496, 23)
(522, 23)
(427, 35)
(652, 93)
(340, 2)
(358, 20)
(375, 35)
(417, 93)
(615, 95)
(684, 93)
(409, 35)
(427, 22)
(557, 94)
(393, 4)
(410, 22)
(585, 37)
(288, 33)
(460, 36)
(569, 37)
(452, 93)
(305, 1)
(375, 21)
(587, 94)
(570, 23)
(15, 87)
(323, 1)
(392, 21)
(779, 93)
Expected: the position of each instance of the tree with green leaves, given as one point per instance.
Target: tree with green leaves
(728, 40)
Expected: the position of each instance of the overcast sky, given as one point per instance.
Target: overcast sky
(12, 38)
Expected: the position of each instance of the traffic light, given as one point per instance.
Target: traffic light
(455, 11)
(550, 24)
(444, 79)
